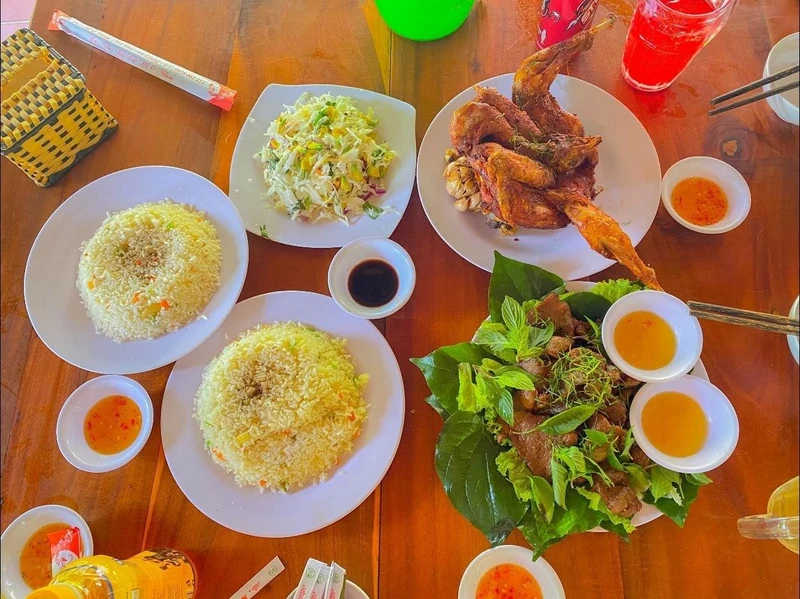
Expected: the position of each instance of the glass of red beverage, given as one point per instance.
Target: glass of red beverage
(666, 35)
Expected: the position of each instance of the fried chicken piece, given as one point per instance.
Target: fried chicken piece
(602, 232)
(532, 81)
(477, 122)
(507, 185)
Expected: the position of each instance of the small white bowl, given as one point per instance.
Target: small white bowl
(511, 554)
(371, 248)
(351, 591)
(721, 173)
(685, 327)
(723, 425)
(794, 345)
(69, 429)
(782, 56)
(20, 530)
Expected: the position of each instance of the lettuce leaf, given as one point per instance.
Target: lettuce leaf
(510, 465)
(614, 289)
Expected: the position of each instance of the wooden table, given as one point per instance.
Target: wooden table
(406, 541)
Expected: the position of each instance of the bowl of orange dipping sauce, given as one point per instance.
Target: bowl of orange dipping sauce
(26, 548)
(104, 423)
(651, 336)
(705, 195)
(686, 425)
(509, 572)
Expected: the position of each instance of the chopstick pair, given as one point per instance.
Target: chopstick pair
(772, 323)
(755, 85)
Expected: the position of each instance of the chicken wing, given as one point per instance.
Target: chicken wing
(532, 81)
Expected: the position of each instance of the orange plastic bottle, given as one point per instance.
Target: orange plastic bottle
(153, 574)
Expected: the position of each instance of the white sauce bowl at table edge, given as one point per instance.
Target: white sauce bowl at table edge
(782, 56)
(69, 428)
(723, 424)
(723, 174)
(371, 248)
(545, 575)
(794, 343)
(685, 327)
(17, 533)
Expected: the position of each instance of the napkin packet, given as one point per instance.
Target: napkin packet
(321, 581)
(50, 120)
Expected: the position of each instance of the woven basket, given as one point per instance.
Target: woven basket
(52, 121)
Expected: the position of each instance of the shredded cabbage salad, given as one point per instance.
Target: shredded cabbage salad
(321, 160)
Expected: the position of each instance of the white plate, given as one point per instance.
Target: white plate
(794, 346)
(649, 512)
(629, 173)
(246, 510)
(52, 299)
(20, 530)
(395, 126)
(543, 572)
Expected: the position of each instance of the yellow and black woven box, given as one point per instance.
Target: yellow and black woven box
(49, 119)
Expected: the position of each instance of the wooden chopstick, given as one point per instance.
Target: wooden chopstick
(756, 98)
(757, 320)
(756, 84)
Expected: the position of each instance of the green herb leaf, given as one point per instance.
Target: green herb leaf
(465, 461)
(560, 478)
(677, 512)
(371, 210)
(440, 369)
(262, 229)
(519, 281)
(512, 314)
(662, 484)
(540, 337)
(543, 496)
(596, 437)
(613, 461)
(466, 389)
(596, 503)
(638, 478)
(697, 478)
(627, 445)
(489, 335)
(567, 421)
(434, 402)
(505, 406)
(586, 305)
(510, 465)
(514, 377)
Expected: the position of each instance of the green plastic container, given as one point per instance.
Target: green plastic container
(424, 20)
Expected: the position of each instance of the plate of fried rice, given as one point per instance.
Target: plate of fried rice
(135, 270)
(286, 418)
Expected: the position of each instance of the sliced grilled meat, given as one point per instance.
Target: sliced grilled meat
(639, 457)
(619, 498)
(557, 346)
(599, 422)
(553, 309)
(538, 369)
(535, 447)
(616, 412)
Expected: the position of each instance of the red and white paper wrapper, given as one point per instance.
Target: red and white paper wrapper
(65, 547)
(262, 578)
(195, 84)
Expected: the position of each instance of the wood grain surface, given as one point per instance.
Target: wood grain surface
(406, 541)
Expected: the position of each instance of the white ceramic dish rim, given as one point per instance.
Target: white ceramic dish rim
(596, 262)
(220, 304)
(337, 278)
(400, 182)
(689, 333)
(712, 394)
(740, 200)
(542, 571)
(105, 463)
(794, 342)
(13, 587)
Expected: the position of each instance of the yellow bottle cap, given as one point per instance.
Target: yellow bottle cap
(56, 591)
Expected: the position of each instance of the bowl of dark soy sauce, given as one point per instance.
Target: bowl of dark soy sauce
(371, 277)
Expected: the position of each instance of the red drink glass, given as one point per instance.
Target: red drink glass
(666, 35)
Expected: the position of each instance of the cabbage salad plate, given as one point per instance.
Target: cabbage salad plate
(51, 294)
(305, 509)
(628, 173)
(325, 133)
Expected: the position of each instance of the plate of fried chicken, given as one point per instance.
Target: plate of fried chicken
(544, 168)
